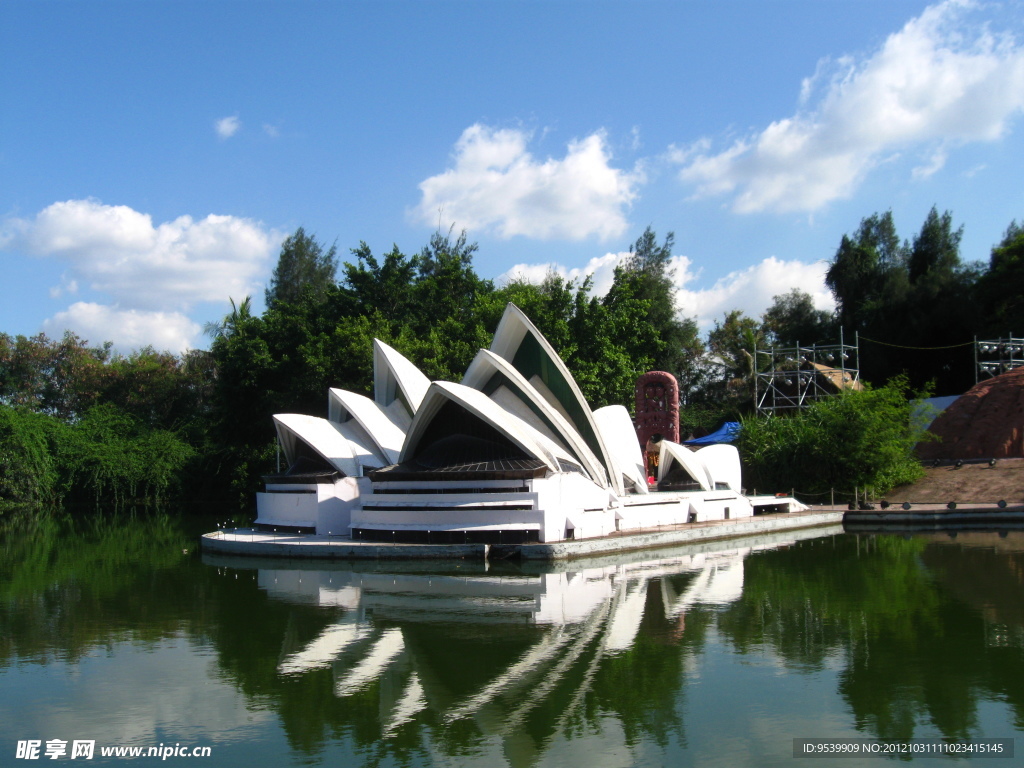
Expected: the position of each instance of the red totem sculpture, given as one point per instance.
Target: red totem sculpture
(657, 414)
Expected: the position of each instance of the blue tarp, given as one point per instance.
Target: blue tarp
(726, 434)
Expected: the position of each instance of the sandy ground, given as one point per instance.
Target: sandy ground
(974, 481)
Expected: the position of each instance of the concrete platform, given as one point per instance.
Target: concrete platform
(245, 541)
(930, 517)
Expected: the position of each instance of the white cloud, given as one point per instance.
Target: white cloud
(497, 184)
(600, 268)
(128, 329)
(750, 290)
(171, 266)
(148, 275)
(936, 83)
(227, 127)
(66, 286)
(934, 165)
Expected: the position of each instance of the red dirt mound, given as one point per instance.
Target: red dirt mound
(986, 422)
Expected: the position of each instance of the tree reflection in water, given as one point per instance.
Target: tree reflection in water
(407, 663)
(926, 626)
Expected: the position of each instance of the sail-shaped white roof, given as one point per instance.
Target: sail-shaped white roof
(322, 436)
(518, 341)
(387, 436)
(491, 374)
(395, 378)
(529, 440)
(364, 449)
(619, 434)
(687, 459)
(722, 463)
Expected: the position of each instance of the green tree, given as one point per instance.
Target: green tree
(733, 344)
(446, 284)
(935, 254)
(857, 438)
(384, 287)
(868, 271)
(109, 456)
(48, 375)
(228, 324)
(912, 304)
(649, 322)
(792, 320)
(1001, 287)
(939, 311)
(303, 266)
(550, 305)
(28, 475)
(611, 348)
(429, 305)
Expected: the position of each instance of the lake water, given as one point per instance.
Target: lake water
(122, 634)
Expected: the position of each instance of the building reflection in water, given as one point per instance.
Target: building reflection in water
(569, 617)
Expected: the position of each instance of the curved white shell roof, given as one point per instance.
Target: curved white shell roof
(385, 434)
(363, 448)
(481, 374)
(322, 436)
(687, 459)
(532, 442)
(395, 378)
(520, 342)
(619, 434)
(722, 463)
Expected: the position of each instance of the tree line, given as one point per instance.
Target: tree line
(82, 423)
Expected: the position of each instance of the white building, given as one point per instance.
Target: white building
(512, 454)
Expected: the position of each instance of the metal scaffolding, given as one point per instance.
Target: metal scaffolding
(795, 377)
(997, 356)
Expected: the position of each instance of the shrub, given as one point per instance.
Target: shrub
(28, 475)
(855, 439)
(109, 456)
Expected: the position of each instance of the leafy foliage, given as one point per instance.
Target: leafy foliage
(651, 325)
(58, 377)
(209, 413)
(733, 344)
(226, 326)
(110, 456)
(65, 378)
(793, 321)
(1001, 288)
(857, 438)
(303, 267)
(105, 456)
(910, 303)
(28, 476)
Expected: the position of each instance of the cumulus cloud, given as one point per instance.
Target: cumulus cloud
(497, 184)
(227, 127)
(750, 290)
(129, 329)
(67, 285)
(170, 266)
(150, 274)
(600, 268)
(937, 83)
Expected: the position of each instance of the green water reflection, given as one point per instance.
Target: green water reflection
(119, 631)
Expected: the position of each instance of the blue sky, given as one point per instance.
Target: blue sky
(154, 154)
